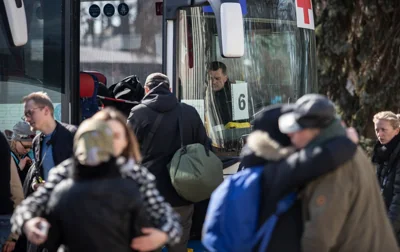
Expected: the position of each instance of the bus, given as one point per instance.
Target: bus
(119, 38)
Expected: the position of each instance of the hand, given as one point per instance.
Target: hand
(33, 232)
(352, 134)
(23, 162)
(151, 240)
(37, 185)
(9, 246)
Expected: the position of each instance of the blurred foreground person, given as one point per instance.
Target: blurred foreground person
(163, 218)
(342, 210)
(107, 209)
(273, 170)
(9, 198)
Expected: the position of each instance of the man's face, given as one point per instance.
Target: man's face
(35, 115)
(302, 138)
(218, 79)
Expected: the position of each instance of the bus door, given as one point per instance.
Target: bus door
(120, 38)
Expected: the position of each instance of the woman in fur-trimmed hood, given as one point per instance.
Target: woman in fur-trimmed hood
(287, 170)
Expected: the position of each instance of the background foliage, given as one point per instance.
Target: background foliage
(358, 48)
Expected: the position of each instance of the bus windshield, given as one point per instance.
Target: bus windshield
(278, 67)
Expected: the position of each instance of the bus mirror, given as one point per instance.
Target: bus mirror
(231, 30)
(16, 17)
(229, 17)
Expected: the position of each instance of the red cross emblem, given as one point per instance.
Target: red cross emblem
(305, 5)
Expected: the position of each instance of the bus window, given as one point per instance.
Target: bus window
(278, 67)
(123, 42)
(35, 66)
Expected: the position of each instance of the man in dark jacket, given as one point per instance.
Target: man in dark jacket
(221, 87)
(155, 122)
(52, 146)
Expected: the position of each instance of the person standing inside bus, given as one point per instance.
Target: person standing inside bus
(155, 122)
(221, 87)
(52, 146)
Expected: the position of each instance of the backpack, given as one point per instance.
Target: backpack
(16, 159)
(232, 216)
(195, 171)
(129, 89)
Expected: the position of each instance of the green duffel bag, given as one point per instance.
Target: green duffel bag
(195, 172)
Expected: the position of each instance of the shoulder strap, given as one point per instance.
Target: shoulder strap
(265, 232)
(16, 160)
(180, 125)
(152, 132)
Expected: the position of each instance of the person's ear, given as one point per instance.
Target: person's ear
(46, 110)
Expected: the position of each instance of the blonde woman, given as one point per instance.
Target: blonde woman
(386, 157)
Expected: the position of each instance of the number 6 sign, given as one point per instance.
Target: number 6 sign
(240, 101)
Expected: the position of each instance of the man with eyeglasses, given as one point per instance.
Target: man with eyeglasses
(52, 146)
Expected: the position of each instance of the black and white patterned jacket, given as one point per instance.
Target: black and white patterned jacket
(160, 212)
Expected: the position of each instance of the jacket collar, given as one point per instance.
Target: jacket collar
(39, 139)
(335, 129)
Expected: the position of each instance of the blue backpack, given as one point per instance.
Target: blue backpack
(232, 216)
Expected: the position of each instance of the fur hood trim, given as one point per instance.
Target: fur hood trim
(265, 147)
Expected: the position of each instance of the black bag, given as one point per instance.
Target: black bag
(129, 89)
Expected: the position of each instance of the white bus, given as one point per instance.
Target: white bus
(178, 37)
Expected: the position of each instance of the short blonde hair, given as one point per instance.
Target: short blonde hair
(40, 98)
(389, 116)
(13, 146)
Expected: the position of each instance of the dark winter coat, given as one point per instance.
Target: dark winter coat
(223, 103)
(387, 161)
(6, 204)
(166, 140)
(95, 210)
